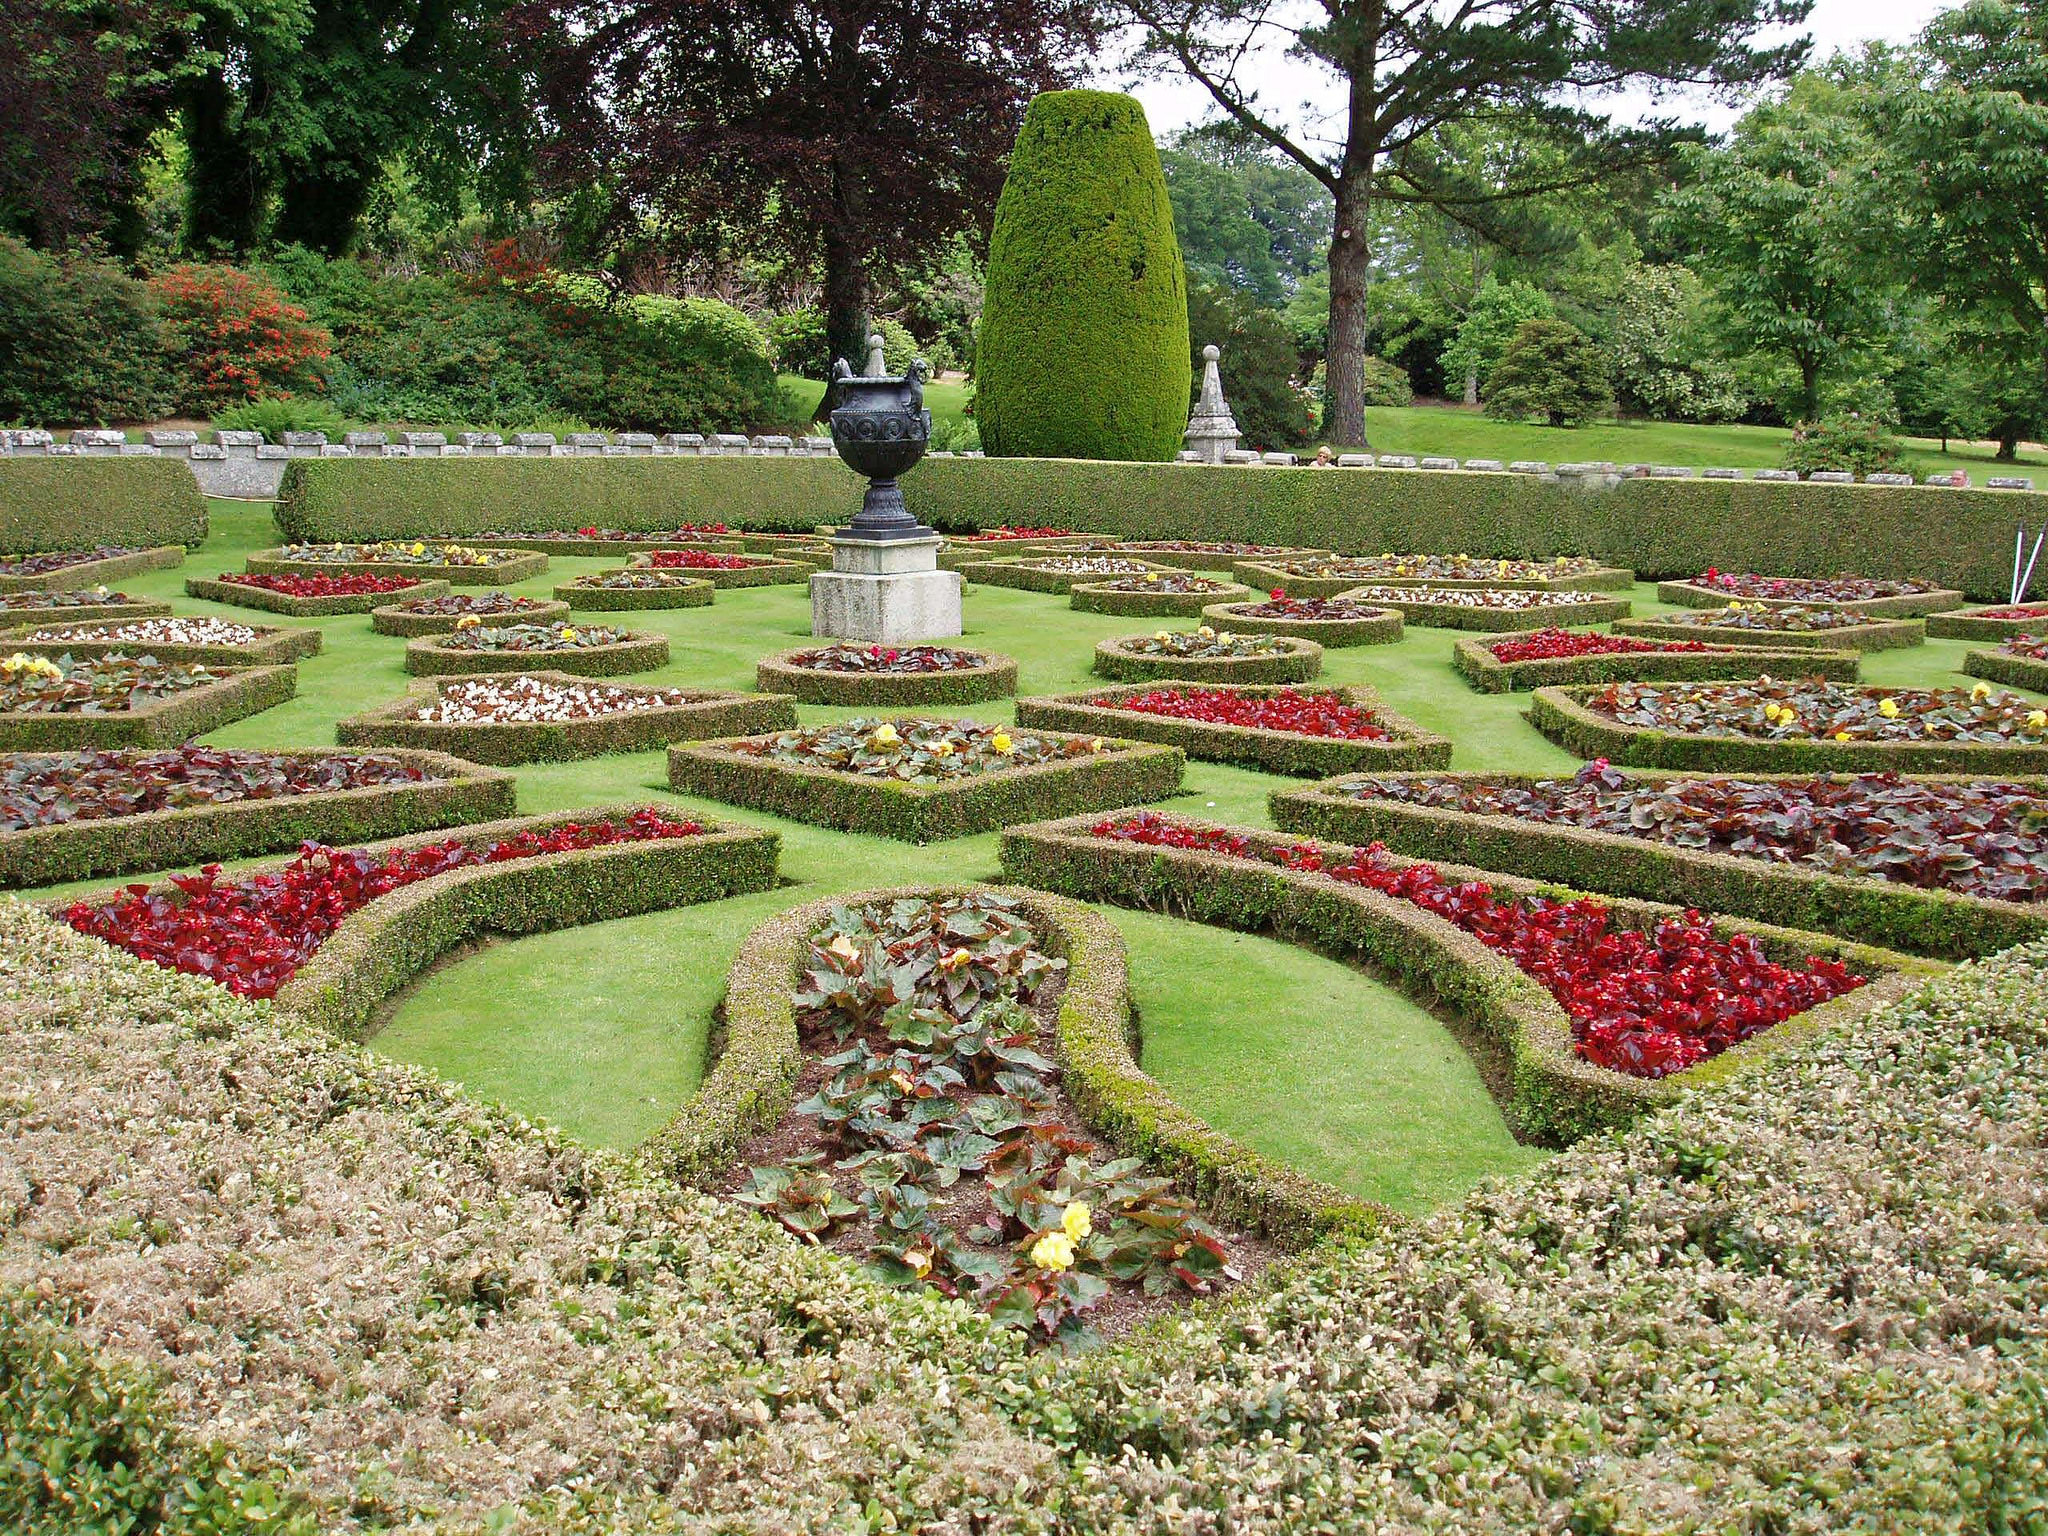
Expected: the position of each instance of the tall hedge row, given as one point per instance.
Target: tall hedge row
(78, 503)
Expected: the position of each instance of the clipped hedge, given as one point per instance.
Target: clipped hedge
(585, 597)
(1270, 751)
(1382, 628)
(274, 645)
(523, 565)
(575, 548)
(2004, 667)
(1973, 625)
(994, 678)
(1265, 575)
(242, 596)
(1296, 662)
(1102, 597)
(94, 573)
(1907, 605)
(1890, 914)
(239, 693)
(1023, 575)
(1559, 714)
(458, 792)
(60, 503)
(765, 571)
(1215, 561)
(1476, 663)
(706, 713)
(1877, 635)
(12, 614)
(1125, 772)
(1554, 1093)
(641, 651)
(394, 619)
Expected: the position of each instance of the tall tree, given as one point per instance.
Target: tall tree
(1411, 67)
(847, 135)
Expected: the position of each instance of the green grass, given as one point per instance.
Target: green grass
(602, 1029)
(946, 401)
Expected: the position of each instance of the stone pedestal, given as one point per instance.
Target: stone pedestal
(886, 592)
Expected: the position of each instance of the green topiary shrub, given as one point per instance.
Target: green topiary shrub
(1083, 347)
(1553, 370)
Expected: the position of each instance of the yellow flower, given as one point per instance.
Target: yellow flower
(1161, 634)
(1841, 735)
(1076, 1220)
(919, 1261)
(1000, 741)
(955, 960)
(884, 736)
(1055, 1250)
(2038, 719)
(844, 948)
(1735, 607)
(1226, 638)
(1205, 631)
(1981, 691)
(569, 632)
(1889, 708)
(1095, 745)
(1151, 575)
(417, 549)
(468, 621)
(903, 1080)
(943, 749)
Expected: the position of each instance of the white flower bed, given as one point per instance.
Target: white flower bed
(153, 632)
(1507, 599)
(531, 700)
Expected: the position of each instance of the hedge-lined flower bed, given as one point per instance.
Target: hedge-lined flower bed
(1999, 623)
(923, 780)
(2021, 662)
(1493, 609)
(181, 638)
(1938, 866)
(723, 570)
(464, 565)
(71, 569)
(713, 537)
(590, 650)
(1851, 594)
(21, 606)
(1303, 731)
(1332, 622)
(72, 815)
(1756, 624)
(66, 703)
(860, 676)
(632, 588)
(1059, 573)
(1786, 727)
(554, 717)
(1553, 658)
(1329, 576)
(1155, 595)
(1211, 554)
(438, 613)
(1208, 654)
(308, 597)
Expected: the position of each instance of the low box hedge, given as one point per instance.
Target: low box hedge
(1971, 624)
(994, 678)
(1026, 577)
(1270, 751)
(1476, 663)
(1295, 662)
(1907, 605)
(749, 1088)
(585, 597)
(238, 693)
(13, 613)
(458, 792)
(92, 573)
(641, 651)
(2004, 667)
(56, 503)
(1438, 614)
(804, 547)
(1267, 575)
(1219, 561)
(1126, 771)
(764, 571)
(274, 645)
(574, 548)
(242, 596)
(705, 713)
(1383, 627)
(517, 566)
(1554, 1092)
(1877, 635)
(956, 554)
(394, 619)
(1102, 597)
(1559, 714)
(1886, 913)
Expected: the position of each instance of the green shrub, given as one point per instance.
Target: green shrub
(1386, 384)
(1498, 312)
(1083, 347)
(962, 436)
(274, 417)
(1855, 442)
(1553, 370)
(796, 340)
(80, 342)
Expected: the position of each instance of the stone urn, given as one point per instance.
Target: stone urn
(881, 429)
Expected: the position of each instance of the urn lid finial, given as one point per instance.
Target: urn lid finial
(878, 366)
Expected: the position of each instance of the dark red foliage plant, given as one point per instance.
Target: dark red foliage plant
(698, 560)
(321, 585)
(1302, 712)
(1554, 644)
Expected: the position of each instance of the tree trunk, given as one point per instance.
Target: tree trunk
(1472, 377)
(1809, 387)
(1472, 389)
(846, 285)
(2008, 450)
(1350, 267)
(223, 197)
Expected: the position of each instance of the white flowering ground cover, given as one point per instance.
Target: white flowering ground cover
(530, 700)
(180, 631)
(1814, 1299)
(1499, 599)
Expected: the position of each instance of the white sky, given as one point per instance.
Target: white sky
(1173, 103)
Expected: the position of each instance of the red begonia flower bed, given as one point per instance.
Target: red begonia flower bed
(252, 935)
(321, 585)
(1551, 644)
(1646, 1004)
(697, 560)
(1286, 709)
(2023, 611)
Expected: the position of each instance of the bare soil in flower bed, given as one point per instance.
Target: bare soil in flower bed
(311, 597)
(169, 638)
(1504, 666)
(1180, 595)
(437, 613)
(1331, 575)
(555, 717)
(75, 605)
(1492, 609)
(1331, 622)
(468, 565)
(2001, 622)
(589, 650)
(1208, 655)
(1854, 594)
(2017, 664)
(63, 570)
(629, 587)
(1303, 731)
(1058, 573)
(54, 704)
(1210, 555)
(715, 537)
(1781, 628)
(725, 570)
(860, 676)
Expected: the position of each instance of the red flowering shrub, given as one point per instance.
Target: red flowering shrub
(252, 935)
(233, 336)
(696, 560)
(321, 585)
(1647, 1004)
(1312, 713)
(1552, 644)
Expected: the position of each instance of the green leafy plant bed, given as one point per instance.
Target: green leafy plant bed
(1305, 731)
(630, 588)
(1493, 609)
(1156, 596)
(1559, 658)
(169, 638)
(1428, 928)
(1714, 588)
(1768, 726)
(1209, 655)
(723, 570)
(1998, 623)
(1210, 555)
(65, 703)
(439, 613)
(923, 780)
(887, 677)
(1949, 867)
(2022, 662)
(74, 815)
(1327, 576)
(589, 650)
(311, 597)
(1057, 572)
(1332, 622)
(392, 909)
(603, 542)
(557, 717)
(464, 565)
(69, 570)
(75, 605)
(1777, 628)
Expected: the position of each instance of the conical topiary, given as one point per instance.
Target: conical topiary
(1083, 347)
